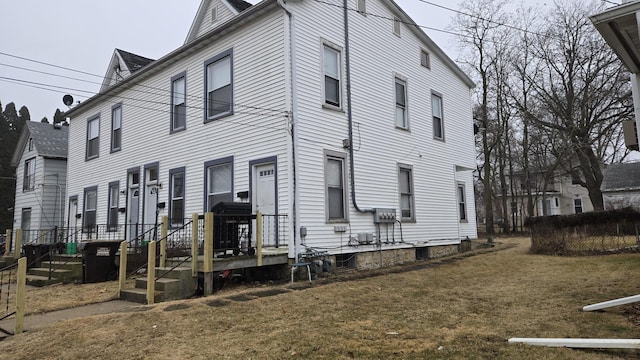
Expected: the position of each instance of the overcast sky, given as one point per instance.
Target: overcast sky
(81, 35)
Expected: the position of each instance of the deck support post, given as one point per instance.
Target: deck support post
(122, 274)
(194, 244)
(7, 242)
(208, 254)
(164, 230)
(21, 282)
(18, 247)
(259, 238)
(151, 273)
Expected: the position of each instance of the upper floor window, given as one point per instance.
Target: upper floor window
(331, 69)
(178, 102)
(30, 144)
(219, 178)
(219, 86)
(29, 177)
(214, 14)
(336, 191)
(401, 104)
(93, 138)
(176, 193)
(396, 26)
(405, 184)
(425, 59)
(462, 203)
(116, 127)
(361, 6)
(438, 122)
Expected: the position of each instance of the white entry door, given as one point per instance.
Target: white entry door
(133, 213)
(264, 200)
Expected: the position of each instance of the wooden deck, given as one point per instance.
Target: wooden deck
(270, 256)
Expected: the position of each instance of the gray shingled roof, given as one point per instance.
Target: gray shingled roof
(240, 5)
(134, 62)
(621, 177)
(49, 141)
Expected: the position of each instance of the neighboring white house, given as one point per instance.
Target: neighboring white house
(271, 104)
(40, 159)
(621, 186)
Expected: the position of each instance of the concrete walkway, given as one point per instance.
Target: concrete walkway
(34, 321)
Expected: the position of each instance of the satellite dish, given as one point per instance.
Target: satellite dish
(67, 100)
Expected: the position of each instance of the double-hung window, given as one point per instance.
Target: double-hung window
(405, 185)
(401, 103)
(90, 206)
(116, 128)
(462, 203)
(336, 191)
(219, 86)
(577, 205)
(219, 186)
(178, 102)
(29, 178)
(112, 219)
(436, 110)
(93, 138)
(331, 70)
(176, 192)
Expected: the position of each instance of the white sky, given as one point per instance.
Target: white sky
(81, 35)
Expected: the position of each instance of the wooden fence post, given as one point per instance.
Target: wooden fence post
(21, 281)
(259, 238)
(122, 275)
(194, 244)
(207, 264)
(18, 247)
(164, 230)
(8, 241)
(151, 273)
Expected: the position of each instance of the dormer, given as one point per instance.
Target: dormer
(213, 13)
(122, 65)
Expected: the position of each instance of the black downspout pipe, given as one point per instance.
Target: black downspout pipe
(349, 117)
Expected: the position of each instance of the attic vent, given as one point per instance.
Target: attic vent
(214, 14)
(362, 7)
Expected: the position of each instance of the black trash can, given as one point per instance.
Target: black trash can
(99, 261)
(36, 254)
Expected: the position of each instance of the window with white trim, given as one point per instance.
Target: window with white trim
(425, 59)
(405, 185)
(116, 128)
(332, 79)
(402, 120)
(93, 138)
(219, 178)
(29, 177)
(178, 102)
(176, 201)
(462, 203)
(436, 110)
(219, 86)
(335, 187)
(577, 205)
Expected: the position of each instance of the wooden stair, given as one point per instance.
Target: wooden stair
(175, 284)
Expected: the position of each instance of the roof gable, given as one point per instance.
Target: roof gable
(49, 141)
(621, 177)
(205, 20)
(122, 65)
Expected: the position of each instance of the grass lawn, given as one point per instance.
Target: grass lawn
(465, 309)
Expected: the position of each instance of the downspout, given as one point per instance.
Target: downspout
(293, 105)
(349, 116)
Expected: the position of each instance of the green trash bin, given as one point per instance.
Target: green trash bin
(72, 248)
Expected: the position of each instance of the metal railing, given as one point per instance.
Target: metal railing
(8, 287)
(275, 231)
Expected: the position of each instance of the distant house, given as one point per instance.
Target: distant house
(555, 194)
(621, 186)
(356, 146)
(40, 159)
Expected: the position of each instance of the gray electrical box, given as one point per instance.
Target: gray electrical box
(381, 215)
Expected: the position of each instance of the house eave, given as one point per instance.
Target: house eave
(619, 28)
(179, 53)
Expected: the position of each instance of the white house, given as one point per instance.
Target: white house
(343, 119)
(40, 159)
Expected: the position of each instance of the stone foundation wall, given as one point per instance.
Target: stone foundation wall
(442, 251)
(371, 260)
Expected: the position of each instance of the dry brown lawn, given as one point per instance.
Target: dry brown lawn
(465, 309)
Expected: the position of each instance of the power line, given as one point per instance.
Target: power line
(162, 90)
